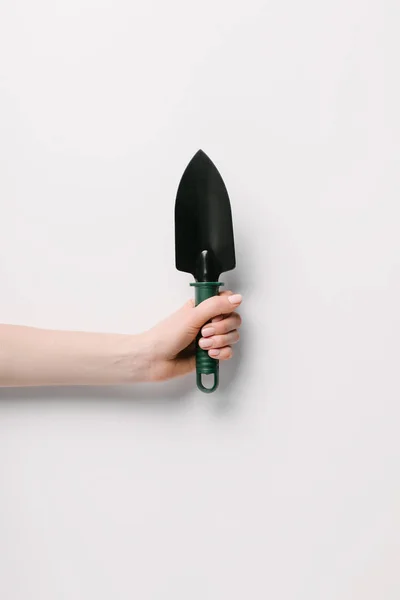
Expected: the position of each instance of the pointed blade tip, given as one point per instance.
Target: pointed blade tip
(202, 158)
(200, 153)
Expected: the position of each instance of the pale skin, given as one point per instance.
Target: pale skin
(40, 357)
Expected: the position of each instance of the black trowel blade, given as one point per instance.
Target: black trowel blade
(204, 241)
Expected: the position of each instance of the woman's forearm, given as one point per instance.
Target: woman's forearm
(30, 356)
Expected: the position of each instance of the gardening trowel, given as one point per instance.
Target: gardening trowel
(204, 242)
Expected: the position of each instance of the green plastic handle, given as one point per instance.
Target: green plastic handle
(205, 365)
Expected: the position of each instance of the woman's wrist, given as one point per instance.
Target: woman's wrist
(133, 358)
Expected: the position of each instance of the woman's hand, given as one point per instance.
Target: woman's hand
(171, 345)
(37, 357)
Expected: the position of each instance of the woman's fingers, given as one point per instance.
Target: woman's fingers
(216, 319)
(221, 353)
(219, 335)
(221, 317)
(219, 341)
(225, 304)
(222, 326)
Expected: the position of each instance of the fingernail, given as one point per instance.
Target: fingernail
(207, 331)
(217, 319)
(205, 343)
(235, 299)
(214, 353)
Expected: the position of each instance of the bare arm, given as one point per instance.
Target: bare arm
(33, 357)
(30, 357)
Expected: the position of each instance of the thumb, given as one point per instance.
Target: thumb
(213, 307)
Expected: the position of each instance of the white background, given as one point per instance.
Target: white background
(285, 484)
